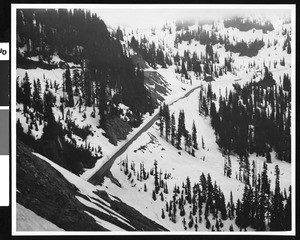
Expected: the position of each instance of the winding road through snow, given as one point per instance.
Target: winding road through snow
(104, 169)
(97, 177)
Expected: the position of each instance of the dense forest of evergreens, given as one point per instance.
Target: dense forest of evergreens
(245, 49)
(254, 118)
(82, 38)
(246, 25)
(152, 54)
(210, 38)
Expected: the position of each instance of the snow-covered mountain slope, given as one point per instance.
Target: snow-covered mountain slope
(64, 201)
(110, 206)
(180, 165)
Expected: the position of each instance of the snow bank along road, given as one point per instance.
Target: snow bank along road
(98, 176)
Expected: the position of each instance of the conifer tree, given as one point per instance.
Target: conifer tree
(277, 206)
(156, 183)
(265, 186)
(181, 128)
(154, 195)
(27, 90)
(161, 121)
(36, 97)
(288, 212)
(188, 187)
(229, 169)
(167, 121)
(69, 89)
(173, 130)
(231, 205)
(162, 214)
(194, 136)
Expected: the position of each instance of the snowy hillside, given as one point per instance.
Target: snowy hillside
(77, 200)
(185, 126)
(180, 165)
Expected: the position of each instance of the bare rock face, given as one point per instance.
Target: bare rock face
(46, 192)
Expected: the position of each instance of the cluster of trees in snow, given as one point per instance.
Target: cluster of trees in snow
(207, 64)
(245, 49)
(200, 35)
(255, 118)
(38, 111)
(262, 208)
(184, 24)
(151, 53)
(287, 43)
(168, 129)
(247, 24)
(203, 203)
(81, 37)
(212, 37)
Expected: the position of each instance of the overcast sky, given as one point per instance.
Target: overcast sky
(139, 16)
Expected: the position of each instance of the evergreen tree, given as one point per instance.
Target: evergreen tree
(181, 128)
(223, 207)
(161, 121)
(229, 169)
(265, 186)
(69, 90)
(277, 206)
(173, 130)
(156, 183)
(167, 121)
(36, 96)
(188, 187)
(27, 90)
(194, 136)
(231, 206)
(154, 195)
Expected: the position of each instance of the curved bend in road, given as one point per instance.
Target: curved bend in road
(97, 178)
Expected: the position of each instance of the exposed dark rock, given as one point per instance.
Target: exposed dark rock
(46, 192)
(116, 129)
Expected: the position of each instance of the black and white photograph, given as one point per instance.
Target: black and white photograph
(153, 119)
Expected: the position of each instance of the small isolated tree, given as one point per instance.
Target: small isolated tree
(69, 89)
(173, 130)
(194, 136)
(156, 183)
(162, 214)
(162, 196)
(161, 121)
(154, 195)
